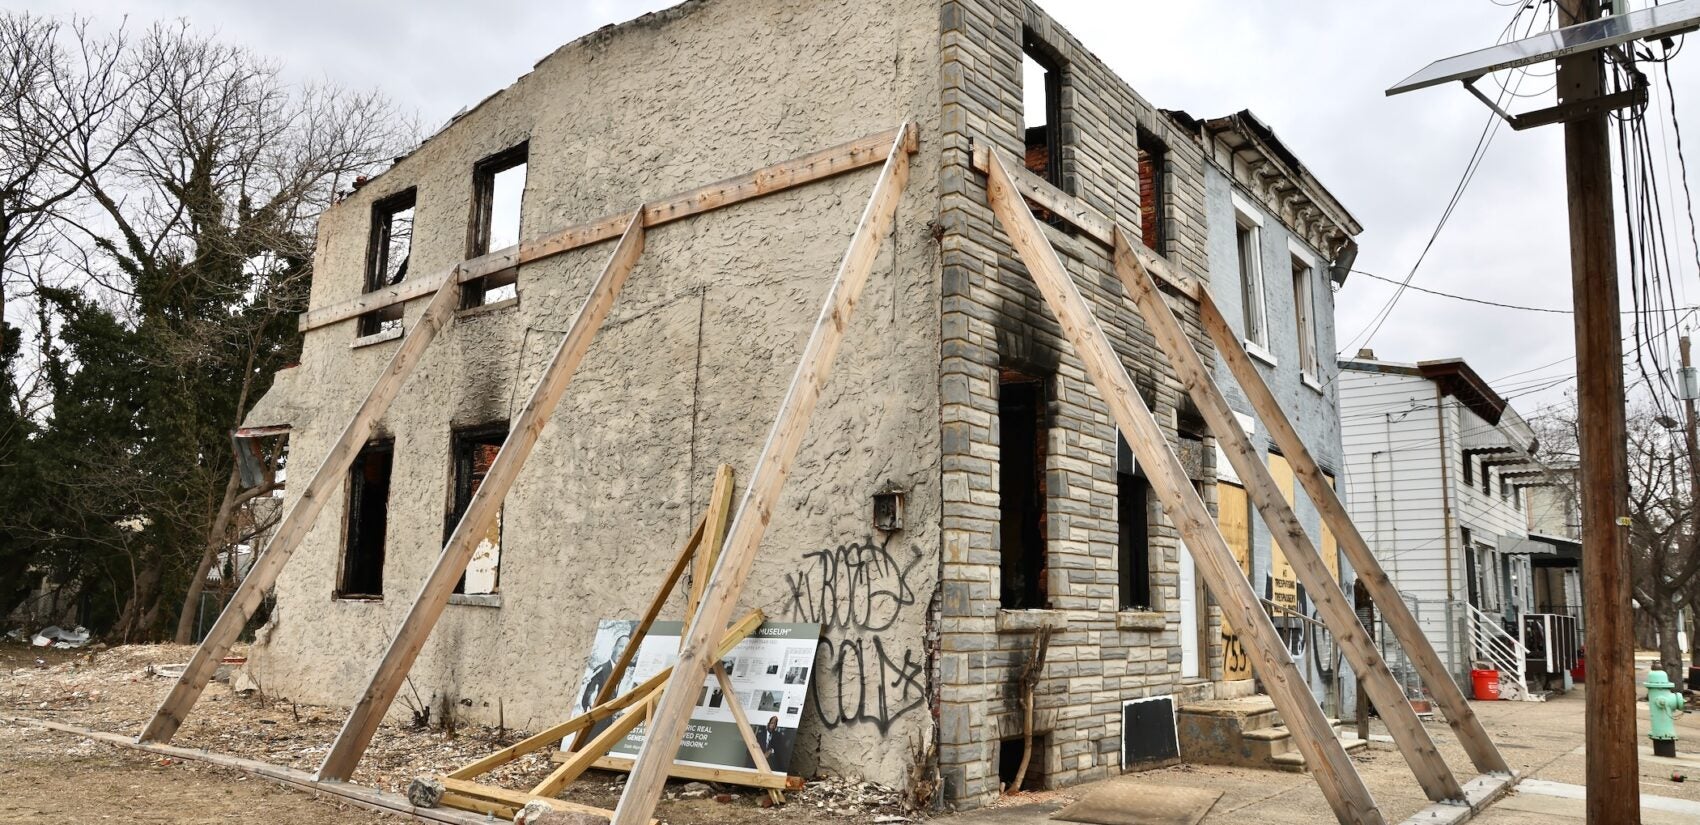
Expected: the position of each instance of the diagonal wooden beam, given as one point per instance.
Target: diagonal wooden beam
(1394, 613)
(1337, 613)
(667, 725)
(798, 171)
(596, 748)
(486, 503)
(719, 513)
(1323, 753)
(738, 632)
(299, 520)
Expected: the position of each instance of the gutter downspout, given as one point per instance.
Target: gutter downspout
(1450, 527)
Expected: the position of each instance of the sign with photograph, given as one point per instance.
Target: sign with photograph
(769, 672)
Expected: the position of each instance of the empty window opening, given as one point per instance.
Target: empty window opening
(1010, 752)
(1469, 470)
(1251, 282)
(498, 194)
(1021, 485)
(1133, 517)
(474, 452)
(1304, 297)
(387, 253)
(368, 520)
(1041, 110)
(1153, 158)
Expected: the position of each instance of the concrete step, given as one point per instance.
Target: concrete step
(1244, 732)
(1294, 762)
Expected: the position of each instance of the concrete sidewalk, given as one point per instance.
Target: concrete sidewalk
(1543, 741)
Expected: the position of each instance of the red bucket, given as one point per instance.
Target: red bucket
(1486, 683)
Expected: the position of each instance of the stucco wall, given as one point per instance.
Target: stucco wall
(687, 372)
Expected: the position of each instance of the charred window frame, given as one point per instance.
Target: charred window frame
(498, 203)
(388, 249)
(1133, 523)
(473, 451)
(1153, 190)
(1043, 141)
(1022, 430)
(1469, 469)
(362, 574)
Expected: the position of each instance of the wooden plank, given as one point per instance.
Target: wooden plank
(798, 171)
(757, 758)
(762, 496)
(738, 632)
(581, 760)
(1275, 505)
(1087, 219)
(719, 513)
(482, 510)
(498, 810)
(726, 776)
(1323, 753)
(299, 520)
(1395, 614)
(462, 788)
(362, 797)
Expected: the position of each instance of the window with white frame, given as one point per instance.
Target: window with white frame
(1247, 228)
(1304, 303)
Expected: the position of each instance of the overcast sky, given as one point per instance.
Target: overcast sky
(1315, 71)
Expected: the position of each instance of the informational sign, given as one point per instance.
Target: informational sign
(769, 672)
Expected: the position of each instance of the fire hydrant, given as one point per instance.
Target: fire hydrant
(1663, 706)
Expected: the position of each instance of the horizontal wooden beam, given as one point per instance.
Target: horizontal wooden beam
(805, 169)
(1092, 223)
(460, 790)
(725, 776)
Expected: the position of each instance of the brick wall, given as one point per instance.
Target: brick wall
(992, 317)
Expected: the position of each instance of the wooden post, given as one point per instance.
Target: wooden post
(1337, 613)
(667, 725)
(1395, 614)
(481, 512)
(714, 538)
(326, 479)
(1612, 773)
(1323, 753)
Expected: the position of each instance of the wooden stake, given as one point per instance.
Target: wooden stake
(1395, 614)
(486, 503)
(326, 479)
(1323, 753)
(1431, 771)
(762, 495)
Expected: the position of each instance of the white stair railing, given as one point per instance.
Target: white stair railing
(1505, 652)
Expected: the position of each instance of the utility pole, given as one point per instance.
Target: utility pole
(1612, 774)
(1693, 444)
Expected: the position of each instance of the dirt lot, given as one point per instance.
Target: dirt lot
(62, 778)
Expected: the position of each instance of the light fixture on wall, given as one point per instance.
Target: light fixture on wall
(888, 509)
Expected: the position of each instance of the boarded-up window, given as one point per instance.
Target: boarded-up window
(1233, 518)
(498, 192)
(475, 451)
(362, 575)
(1283, 581)
(387, 252)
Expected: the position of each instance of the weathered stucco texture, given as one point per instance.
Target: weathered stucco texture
(687, 373)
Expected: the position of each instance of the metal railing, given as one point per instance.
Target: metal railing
(1496, 646)
(1313, 649)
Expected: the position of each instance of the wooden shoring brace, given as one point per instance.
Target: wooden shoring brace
(712, 522)
(1323, 753)
(1395, 614)
(1337, 613)
(718, 518)
(761, 497)
(757, 758)
(735, 634)
(582, 759)
(481, 512)
(299, 520)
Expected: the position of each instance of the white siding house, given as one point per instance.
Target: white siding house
(1436, 470)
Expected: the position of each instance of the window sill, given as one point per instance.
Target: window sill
(1310, 381)
(1141, 620)
(357, 599)
(1257, 351)
(476, 599)
(487, 309)
(1024, 621)
(376, 338)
